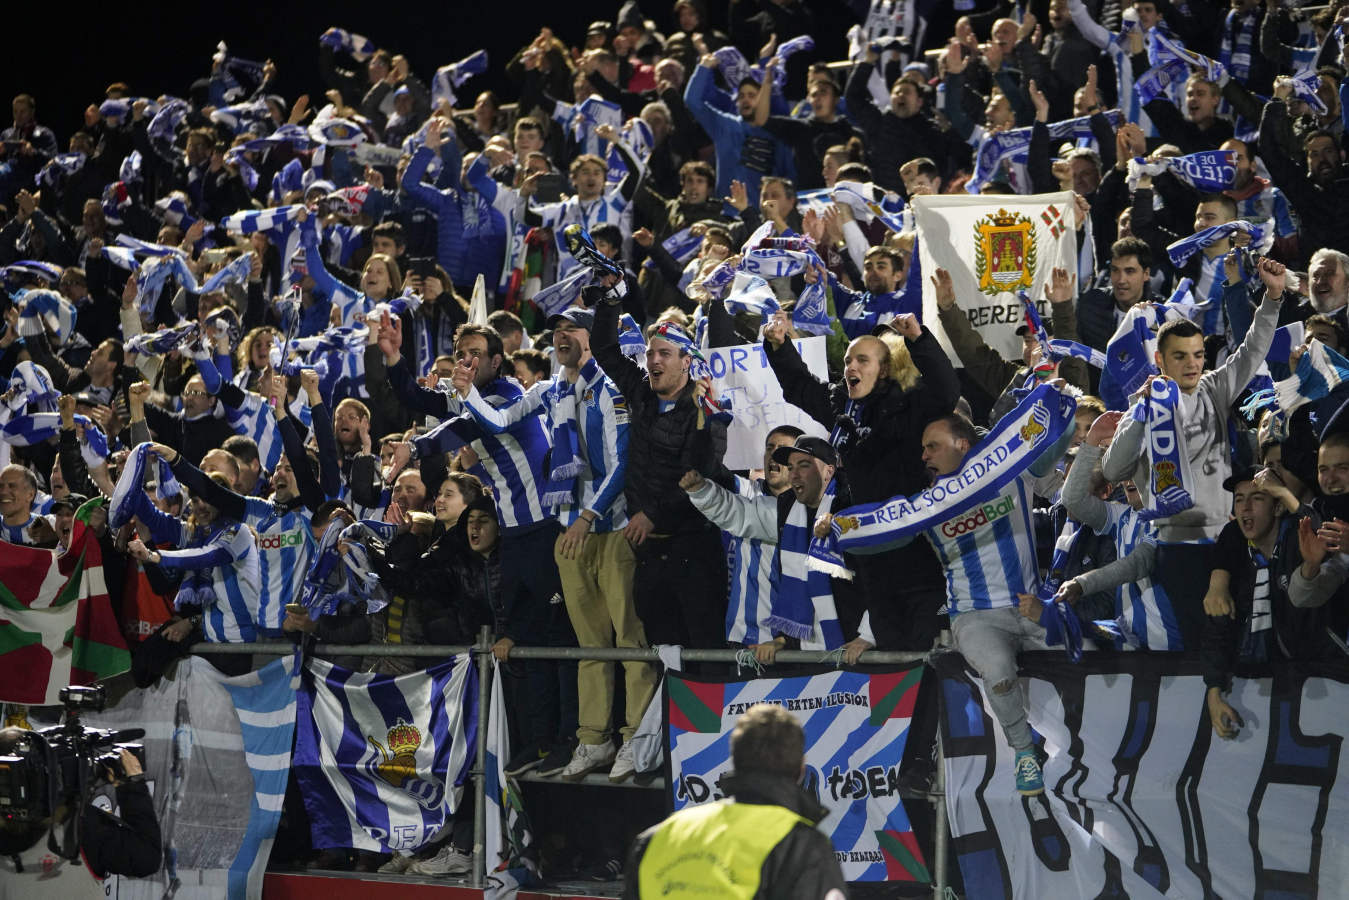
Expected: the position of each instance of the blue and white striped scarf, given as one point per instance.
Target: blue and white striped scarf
(1064, 622)
(28, 269)
(564, 292)
(130, 169)
(238, 157)
(27, 430)
(1169, 475)
(1262, 238)
(751, 294)
(1238, 41)
(31, 385)
(869, 199)
(236, 271)
(1009, 449)
(1056, 349)
(681, 245)
(1208, 172)
(358, 46)
(630, 341)
(152, 276)
(61, 165)
(254, 220)
(294, 135)
(240, 116)
(122, 506)
(289, 178)
(1305, 84)
(44, 309)
(157, 343)
(164, 126)
(447, 78)
(1004, 145)
(803, 599)
(1318, 372)
(566, 462)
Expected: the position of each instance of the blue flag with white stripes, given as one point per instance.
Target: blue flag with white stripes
(856, 725)
(382, 760)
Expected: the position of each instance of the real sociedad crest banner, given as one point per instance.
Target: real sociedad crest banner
(1141, 798)
(381, 761)
(856, 724)
(994, 246)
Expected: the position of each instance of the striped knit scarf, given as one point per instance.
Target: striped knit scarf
(802, 597)
(1238, 39)
(565, 461)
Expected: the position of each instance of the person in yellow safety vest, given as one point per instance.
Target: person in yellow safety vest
(759, 844)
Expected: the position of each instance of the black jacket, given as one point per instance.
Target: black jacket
(661, 446)
(125, 845)
(883, 455)
(430, 577)
(892, 141)
(802, 865)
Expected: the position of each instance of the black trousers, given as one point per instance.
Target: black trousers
(679, 590)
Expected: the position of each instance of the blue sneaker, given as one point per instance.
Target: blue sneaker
(1029, 781)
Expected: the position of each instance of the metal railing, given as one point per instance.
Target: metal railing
(483, 653)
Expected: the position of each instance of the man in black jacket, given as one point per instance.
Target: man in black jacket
(702, 849)
(680, 582)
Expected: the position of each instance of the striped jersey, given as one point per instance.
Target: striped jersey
(1142, 606)
(602, 437)
(19, 534)
(749, 563)
(607, 209)
(231, 558)
(989, 552)
(254, 419)
(1265, 206)
(510, 463)
(285, 548)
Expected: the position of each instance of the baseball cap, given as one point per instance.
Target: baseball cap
(72, 500)
(1240, 474)
(811, 446)
(576, 315)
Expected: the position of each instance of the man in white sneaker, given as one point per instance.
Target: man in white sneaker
(587, 419)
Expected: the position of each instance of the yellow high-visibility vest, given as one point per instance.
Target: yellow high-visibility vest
(714, 850)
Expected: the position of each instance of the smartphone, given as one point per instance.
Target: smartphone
(422, 266)
(549, 188)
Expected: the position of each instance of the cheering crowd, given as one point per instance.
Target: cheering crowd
(387, 369)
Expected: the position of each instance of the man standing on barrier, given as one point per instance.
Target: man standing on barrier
(760, 843)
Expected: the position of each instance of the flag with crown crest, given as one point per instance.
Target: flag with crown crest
(382, 760)
(994, 246)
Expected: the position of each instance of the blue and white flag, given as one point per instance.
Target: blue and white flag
(1318, 372)
(810, 315)
(381, 761)
(1129, 353)
(157, 343)
(1285, 339)
(447, 78)
(1208, 172)
(856, 725)
(1262, 238)
(506, 849)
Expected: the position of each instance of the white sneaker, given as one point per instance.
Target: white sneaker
(588, 758)
(448, 861)
(400, 863)
(624, 765)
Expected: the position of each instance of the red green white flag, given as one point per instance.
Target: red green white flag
(57, 626)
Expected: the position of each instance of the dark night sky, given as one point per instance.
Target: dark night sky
(66, 65)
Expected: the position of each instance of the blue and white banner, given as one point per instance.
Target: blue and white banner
(856, 725)
(217, 755)
(507, 848)
(382, 761)
(1141, 799)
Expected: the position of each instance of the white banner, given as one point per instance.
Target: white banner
(1142, 799)
(994, 246)
(742, 374)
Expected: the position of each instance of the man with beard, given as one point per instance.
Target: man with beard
(588, 419)
(1260, 202)
(1317, 188)
(1328, 291)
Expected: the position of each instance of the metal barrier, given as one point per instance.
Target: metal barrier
(483, 651)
